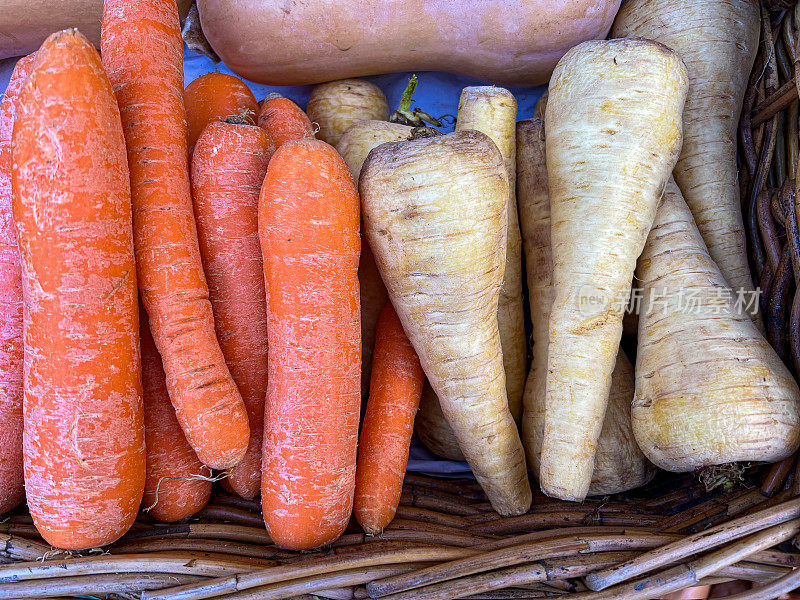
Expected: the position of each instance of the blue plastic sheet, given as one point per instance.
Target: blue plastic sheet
(437, 93)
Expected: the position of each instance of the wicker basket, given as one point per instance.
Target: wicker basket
(446, 542)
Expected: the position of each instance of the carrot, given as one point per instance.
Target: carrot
(435, 217)
(149, 89)
(12, 490)
(215, 97)
(394, 396)
(283, 120)
(613, 135)
(83, 440)
(308, 225)
(228, 167)
(177, 484)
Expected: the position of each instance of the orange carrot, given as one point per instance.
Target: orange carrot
(308, 225)
(215, 97)
(12, 490)
(283, 120)
(83, 440)
(394, 393)
(177, 483)
(148, 81)
(228, 166)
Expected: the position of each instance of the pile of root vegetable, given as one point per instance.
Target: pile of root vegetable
(198, 289)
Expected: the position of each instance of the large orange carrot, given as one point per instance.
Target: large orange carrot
(394, 393)
(308, 224)
(177, 483)
(228, 166)
(214, 97)
(148, 81)
(12, 490)
(283, 120)
(83, 443)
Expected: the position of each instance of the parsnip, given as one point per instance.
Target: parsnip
(362, 136)
(433, 429)
(619, 464)
(434, 213)
(354, 146)
(718, 41)
(709, 388)
(336, 105)
(493, 111)
(613, 134)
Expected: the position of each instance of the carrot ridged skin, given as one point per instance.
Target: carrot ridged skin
(83, 442)
(308, 224)
(12, 489)
(149, 89)
(394, 393)
(228, 167)
(283, 120)
(214, 97)
(172, 489)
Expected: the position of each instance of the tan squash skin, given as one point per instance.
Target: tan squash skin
(24, 24)
(292, 43)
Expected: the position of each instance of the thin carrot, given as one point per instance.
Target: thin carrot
(394, 393)
(308, 225)
(283, 120)
(12, 489)
(215, 97)
(149, 89)
(83, 441)
(228, 167)
(177, 484)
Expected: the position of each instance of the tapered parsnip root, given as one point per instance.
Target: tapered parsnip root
(362, 136)
(717, 40)
(433, 429)
(613, 134)
(619, 464)
(354, 146)
(336, 105)
(493, 111)
(709, 388)
(435, 216)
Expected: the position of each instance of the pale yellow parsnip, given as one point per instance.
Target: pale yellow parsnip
(434, 213)
(613, 135)
(354, 146)
(433, 429)
(619, 464)
(718, 41)
(336, 105)
(709, 388)
(493, 111)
